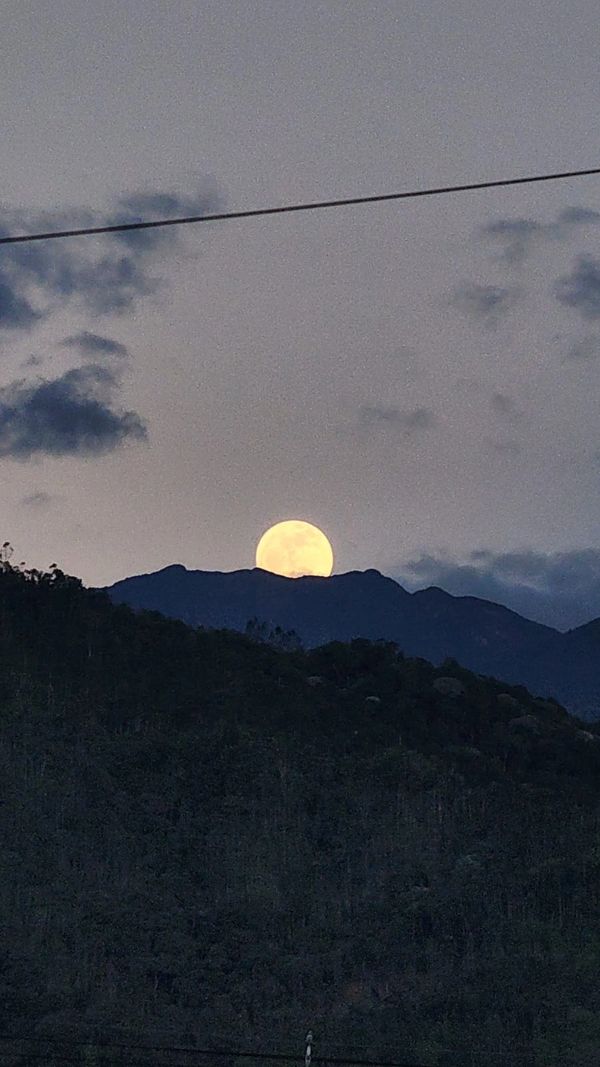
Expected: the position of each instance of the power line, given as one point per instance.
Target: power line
(283, 1057)
(76, 1058)
(224, 216)
(58, 1056)
(218, 1053)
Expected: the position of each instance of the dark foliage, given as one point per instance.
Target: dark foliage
(207, 839)
(486, 637)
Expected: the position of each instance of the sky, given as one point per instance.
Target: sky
(420, 379)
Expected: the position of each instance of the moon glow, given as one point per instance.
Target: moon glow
(294, 548)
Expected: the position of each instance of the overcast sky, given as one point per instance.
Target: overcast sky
(419, 379)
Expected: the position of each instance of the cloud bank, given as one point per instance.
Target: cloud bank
(561, 589)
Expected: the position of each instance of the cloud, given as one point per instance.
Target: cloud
(104, 284)
(505, 407)
(37, 500)
(586, 348)
(561, 589)
(16, 312)
(105, 274)
(70, 415)
(145, 206)
(578, 216)
(407, 422)
(515, 235)
(581, 288)
(94, 344)
(485, 303)
(519, 237)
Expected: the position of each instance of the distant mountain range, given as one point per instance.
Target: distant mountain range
(482, 636)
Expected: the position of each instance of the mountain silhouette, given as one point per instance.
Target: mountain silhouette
(481, 635)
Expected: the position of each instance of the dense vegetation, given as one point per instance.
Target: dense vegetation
(485, 637)
(207, 839)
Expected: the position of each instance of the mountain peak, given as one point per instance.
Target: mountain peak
(483, 636)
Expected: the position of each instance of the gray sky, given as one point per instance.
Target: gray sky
(419, 379)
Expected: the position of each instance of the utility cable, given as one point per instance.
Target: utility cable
(110, 1047)
(224, 216)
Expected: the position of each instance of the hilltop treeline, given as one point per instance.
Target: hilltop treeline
(206, 839)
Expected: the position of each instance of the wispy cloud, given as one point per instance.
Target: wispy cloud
(485, 303)
(145, 206)
(517, 238)
(404, 422)
(69, 415)
(16, 311)
(585, 349)
(94, 344)
(37, 501)
(106, 274)
(33, 361)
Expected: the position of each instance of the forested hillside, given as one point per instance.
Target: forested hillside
(208, 839)
(485, 637)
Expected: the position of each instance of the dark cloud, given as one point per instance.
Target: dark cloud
(111, 286)
(103, 284)
(485, 303)
(94, 344)
(561, 589)
(517, 238)
(105, 274)
(143, 207)
(406, 422)
(581, 288)
(70, 415)
(37, 501)
(16, 312)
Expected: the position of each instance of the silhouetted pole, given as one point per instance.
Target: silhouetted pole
(308, 1051)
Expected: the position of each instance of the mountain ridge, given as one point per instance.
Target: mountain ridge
(484, 636)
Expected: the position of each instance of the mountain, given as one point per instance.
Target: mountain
(209, 842)
(485, 637)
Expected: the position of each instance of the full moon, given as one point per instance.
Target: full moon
(294, 548)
